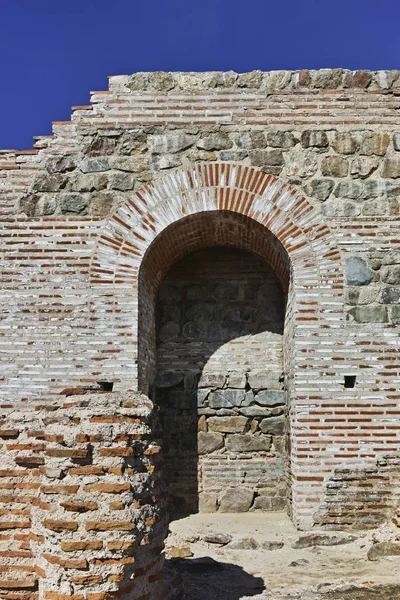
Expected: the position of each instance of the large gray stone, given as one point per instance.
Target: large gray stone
(348, 189)
(364, 167)
(50, 183)
(94, 165)
(301, 163)
(122, 181)
(90, 182)
(344, 143)
(74, 204)
(391, 168)
(166, 161)
(321, 188)
(171, 143)
(271, 161)
(226, 398)
(251, 139)
(264, 379)
(60, 164)
(389, 295)
(396, 141)
(369, 314)
(395, 314)
(340, 208)
(100, 146)
(281, 139)
(247, 443)
(391, 274)
(270, 398)
(334, 166)
(212, 379)
(130, 164)
(362, 295)
(312, 138)
(357, 271)
(236, 500)
(273, 425)
(374, 143)
(132, 141)
(35, 205)
(215, 141)
(209, 442)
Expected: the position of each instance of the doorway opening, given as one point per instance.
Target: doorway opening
(213, 356)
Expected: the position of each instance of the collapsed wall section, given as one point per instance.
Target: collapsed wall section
(83, 503)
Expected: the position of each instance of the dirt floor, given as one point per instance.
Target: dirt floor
(251, 556)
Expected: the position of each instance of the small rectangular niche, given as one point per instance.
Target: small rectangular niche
(106, 386)
(350, 381)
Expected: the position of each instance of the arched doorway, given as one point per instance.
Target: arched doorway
(128, 250)
(213, 292)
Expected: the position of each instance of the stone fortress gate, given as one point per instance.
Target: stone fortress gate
(218, 254)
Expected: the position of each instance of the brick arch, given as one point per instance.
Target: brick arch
(301, 230)
(314, 315)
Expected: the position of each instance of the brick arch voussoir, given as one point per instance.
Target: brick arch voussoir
(134, 225)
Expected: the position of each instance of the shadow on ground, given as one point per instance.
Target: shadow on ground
(207, 579)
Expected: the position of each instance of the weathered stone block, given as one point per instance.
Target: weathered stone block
(391, 274)
(171, 143)
(348, 189)
(207, 502)
(102, 204)
(253, 79)
(227, 424)
(251, 139)
(396, 141)
(226, 398)
(369, 314)
(334, 166)
(340, 208)
(50, 183)
(270, 161)
(357, 271)
(270, 397)
(94, 165)
(209, 442)
(122, 181)
(35, 205)
(345, 143)
(236, 500)
(273, 425)
(313, 138)
(215, 141)
(74, 204)
(264, 379)
(363, 167)
(301, 163)
(281, 139)
(391, 168)
(247, 443)
(321, 188)
(374, 143)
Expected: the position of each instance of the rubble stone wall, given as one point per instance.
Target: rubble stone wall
(220, 372)
(310, 157)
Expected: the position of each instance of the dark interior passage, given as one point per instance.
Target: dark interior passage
(220, 318)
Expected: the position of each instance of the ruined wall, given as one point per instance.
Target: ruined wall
(82, 500)
(220, 372)
(311, 156)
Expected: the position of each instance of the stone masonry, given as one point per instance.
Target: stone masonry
(293, 175)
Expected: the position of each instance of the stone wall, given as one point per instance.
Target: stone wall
(95, 216)
(82, 500)
(220, 372)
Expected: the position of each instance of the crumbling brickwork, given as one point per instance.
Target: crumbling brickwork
(300, 169)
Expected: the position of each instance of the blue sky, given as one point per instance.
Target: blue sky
(53, 52)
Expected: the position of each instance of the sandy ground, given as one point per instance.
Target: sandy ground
(215, 572)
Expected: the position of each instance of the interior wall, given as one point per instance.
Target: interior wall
(220, 385)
